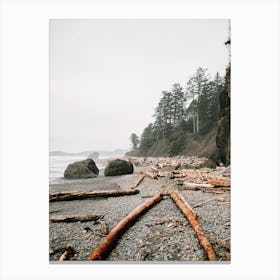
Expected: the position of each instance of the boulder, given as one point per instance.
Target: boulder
(118, 167)
(81, 169)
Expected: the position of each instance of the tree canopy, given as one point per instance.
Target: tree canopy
(193, 110)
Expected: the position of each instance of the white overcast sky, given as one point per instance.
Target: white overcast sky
(106, 76)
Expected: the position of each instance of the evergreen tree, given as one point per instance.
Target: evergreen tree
(195, 87)
(134, 140)
(177, 105)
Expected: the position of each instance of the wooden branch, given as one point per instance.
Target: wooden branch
(63, 257)
(76, 195)
(152, 175)
(74, 218)
(104, 228)
(140, 179)
(108, 243)
(194, 223)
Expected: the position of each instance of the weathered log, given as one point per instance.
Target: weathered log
(76, 195)
(219, 182)
(196, 185)
(152, 175)
(108, 243)
(75, 218)
(194, 223)
(137, 183)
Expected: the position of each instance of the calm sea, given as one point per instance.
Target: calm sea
(58, 164)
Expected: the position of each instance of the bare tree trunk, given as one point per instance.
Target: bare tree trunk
(197, 122)
(108, 243)
(193, 123)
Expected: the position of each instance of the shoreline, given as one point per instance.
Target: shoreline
(161, 234)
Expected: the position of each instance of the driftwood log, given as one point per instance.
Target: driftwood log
(73, 218)
(152, 175)
(197, 185)
(77, 195)
(194, 223)
(108, 243)
(137, 183)
(220, 182)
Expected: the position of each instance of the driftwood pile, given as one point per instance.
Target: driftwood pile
(205, 179)
(162, 162)
(191, 178)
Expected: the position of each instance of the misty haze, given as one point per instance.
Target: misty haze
(139, 165)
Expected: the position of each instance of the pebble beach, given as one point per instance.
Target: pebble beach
(161, 234)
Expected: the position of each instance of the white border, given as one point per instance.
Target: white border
(24, 138)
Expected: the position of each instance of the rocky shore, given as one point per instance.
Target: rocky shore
(162, 234)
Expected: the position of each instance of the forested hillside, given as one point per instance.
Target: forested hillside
(185, 119)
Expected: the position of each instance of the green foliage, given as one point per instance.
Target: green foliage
(193, 111)
(147, 139)
(134, 140)
(177, 142)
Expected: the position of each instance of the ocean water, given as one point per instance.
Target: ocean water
(58, 164)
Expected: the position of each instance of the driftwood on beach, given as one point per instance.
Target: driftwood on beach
(188, 212)
(196, 185)
(75, 218)
(77, 195)
(138, 182)
(225, 182)
(152, 175)
(108, 243)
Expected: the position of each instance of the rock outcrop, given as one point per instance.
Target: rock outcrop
(223, 132)
(118, 167)
(81, 169)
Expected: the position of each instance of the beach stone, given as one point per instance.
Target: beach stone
(118, 167)
(81, 169)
